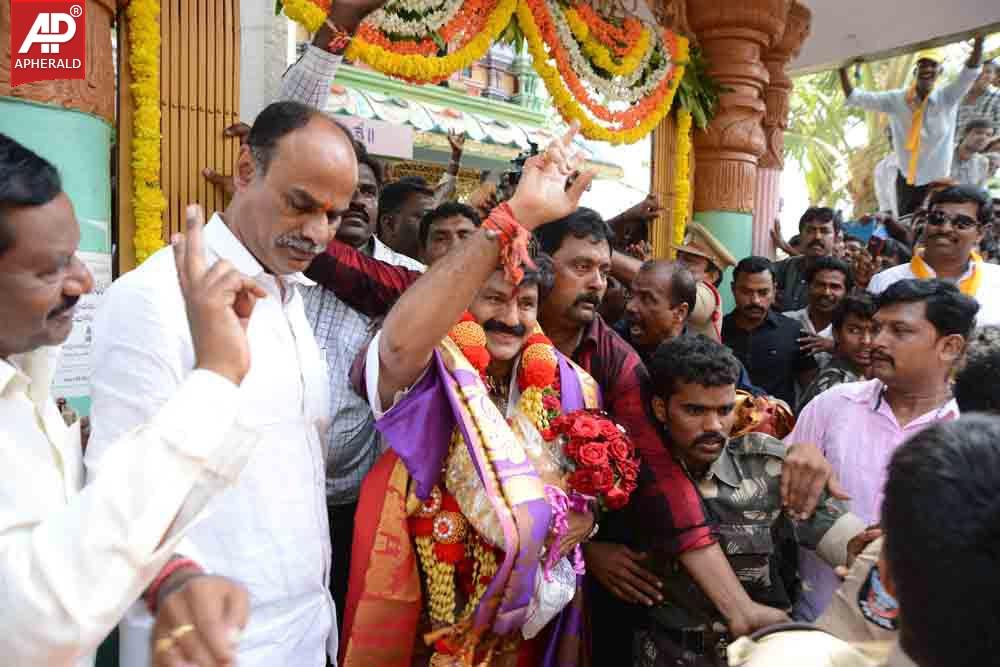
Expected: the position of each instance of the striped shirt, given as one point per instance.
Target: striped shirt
(341, 332)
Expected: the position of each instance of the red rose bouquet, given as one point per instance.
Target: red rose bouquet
(600, 454)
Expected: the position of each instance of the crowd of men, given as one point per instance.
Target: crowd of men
(275, 404)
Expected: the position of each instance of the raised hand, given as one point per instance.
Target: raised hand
(457, 142)
(242, 132)
(542, 195)
(219, 302)
(642, 213)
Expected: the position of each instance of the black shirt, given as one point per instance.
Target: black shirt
(792, 291)
(770, 353)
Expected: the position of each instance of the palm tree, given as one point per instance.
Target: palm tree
(838, 146)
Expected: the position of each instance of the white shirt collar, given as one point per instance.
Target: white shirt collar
(221, 241)
(34, 370)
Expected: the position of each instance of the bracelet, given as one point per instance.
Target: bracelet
(340, 38)
(513, 240)
(152, 593)
(593, 532)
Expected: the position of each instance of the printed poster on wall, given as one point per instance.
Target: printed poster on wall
(72, 377)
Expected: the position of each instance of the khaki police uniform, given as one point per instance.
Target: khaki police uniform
(706, 318)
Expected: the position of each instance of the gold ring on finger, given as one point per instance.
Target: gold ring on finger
(181, 630)
(163, 644)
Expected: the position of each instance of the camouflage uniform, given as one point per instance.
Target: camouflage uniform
(742, 493)
(837, 372)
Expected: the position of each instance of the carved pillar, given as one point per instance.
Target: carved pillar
(776, 96)
(664, 149)
(733, 36)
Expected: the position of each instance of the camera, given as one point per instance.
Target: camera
(510, 178)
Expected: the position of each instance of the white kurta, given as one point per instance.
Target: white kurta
(71, 563)
(270, 532)
(988, 294)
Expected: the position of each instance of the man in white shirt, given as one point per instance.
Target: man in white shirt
(293, 181)
(955, 226)
(971, 166)
(922, 120)
(885, 181)
(74, 561)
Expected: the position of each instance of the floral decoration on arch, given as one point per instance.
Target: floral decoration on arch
(609, 69)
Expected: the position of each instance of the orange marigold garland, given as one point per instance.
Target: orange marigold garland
(468, 334)
(617, 77)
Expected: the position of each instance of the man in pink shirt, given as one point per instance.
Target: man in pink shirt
(920, 328)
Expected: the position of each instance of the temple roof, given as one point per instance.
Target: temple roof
(848, 29)
(491, 142)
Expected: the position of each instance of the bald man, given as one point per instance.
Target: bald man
(663, 296)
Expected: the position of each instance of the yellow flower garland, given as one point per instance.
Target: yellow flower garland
(306, 13)
(424, 68)
(571, 110)
(682, 175)
(600, 54)
(414, 67)
(144, 61)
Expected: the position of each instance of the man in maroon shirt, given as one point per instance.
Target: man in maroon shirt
(581, 249)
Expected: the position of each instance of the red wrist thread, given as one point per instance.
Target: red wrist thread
(514, 239)
(151, 594)
(340, 38)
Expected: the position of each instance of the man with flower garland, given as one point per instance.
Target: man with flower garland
(467, 504)
(694, 398)
(371, 287)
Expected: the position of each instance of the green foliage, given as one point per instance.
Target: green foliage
(278, 6)
(698, 91)
(838, 146)
(513, 36)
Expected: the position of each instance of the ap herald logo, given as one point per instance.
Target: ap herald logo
(47, 40)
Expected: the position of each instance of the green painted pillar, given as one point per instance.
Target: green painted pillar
(79, 145)
(735, 231)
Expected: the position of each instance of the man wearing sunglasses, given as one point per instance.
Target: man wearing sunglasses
(958, 218)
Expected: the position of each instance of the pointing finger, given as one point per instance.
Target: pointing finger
(567, 139)
(179, 245)
(195, 253)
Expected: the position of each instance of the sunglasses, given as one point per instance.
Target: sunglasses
(961, 222)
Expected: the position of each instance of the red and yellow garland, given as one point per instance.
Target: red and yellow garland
(452, 555)
(608, 74)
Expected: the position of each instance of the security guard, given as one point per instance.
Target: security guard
(693, 382)
(707, 259)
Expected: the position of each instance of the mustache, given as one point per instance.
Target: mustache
(709, 438)
(299, 243)
(497, 326)
(754, 309)
(358, 210)
(879, 356)
(67, 304)
(590, 298)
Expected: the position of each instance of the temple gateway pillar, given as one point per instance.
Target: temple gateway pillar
(776, 97)
(733, 37)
